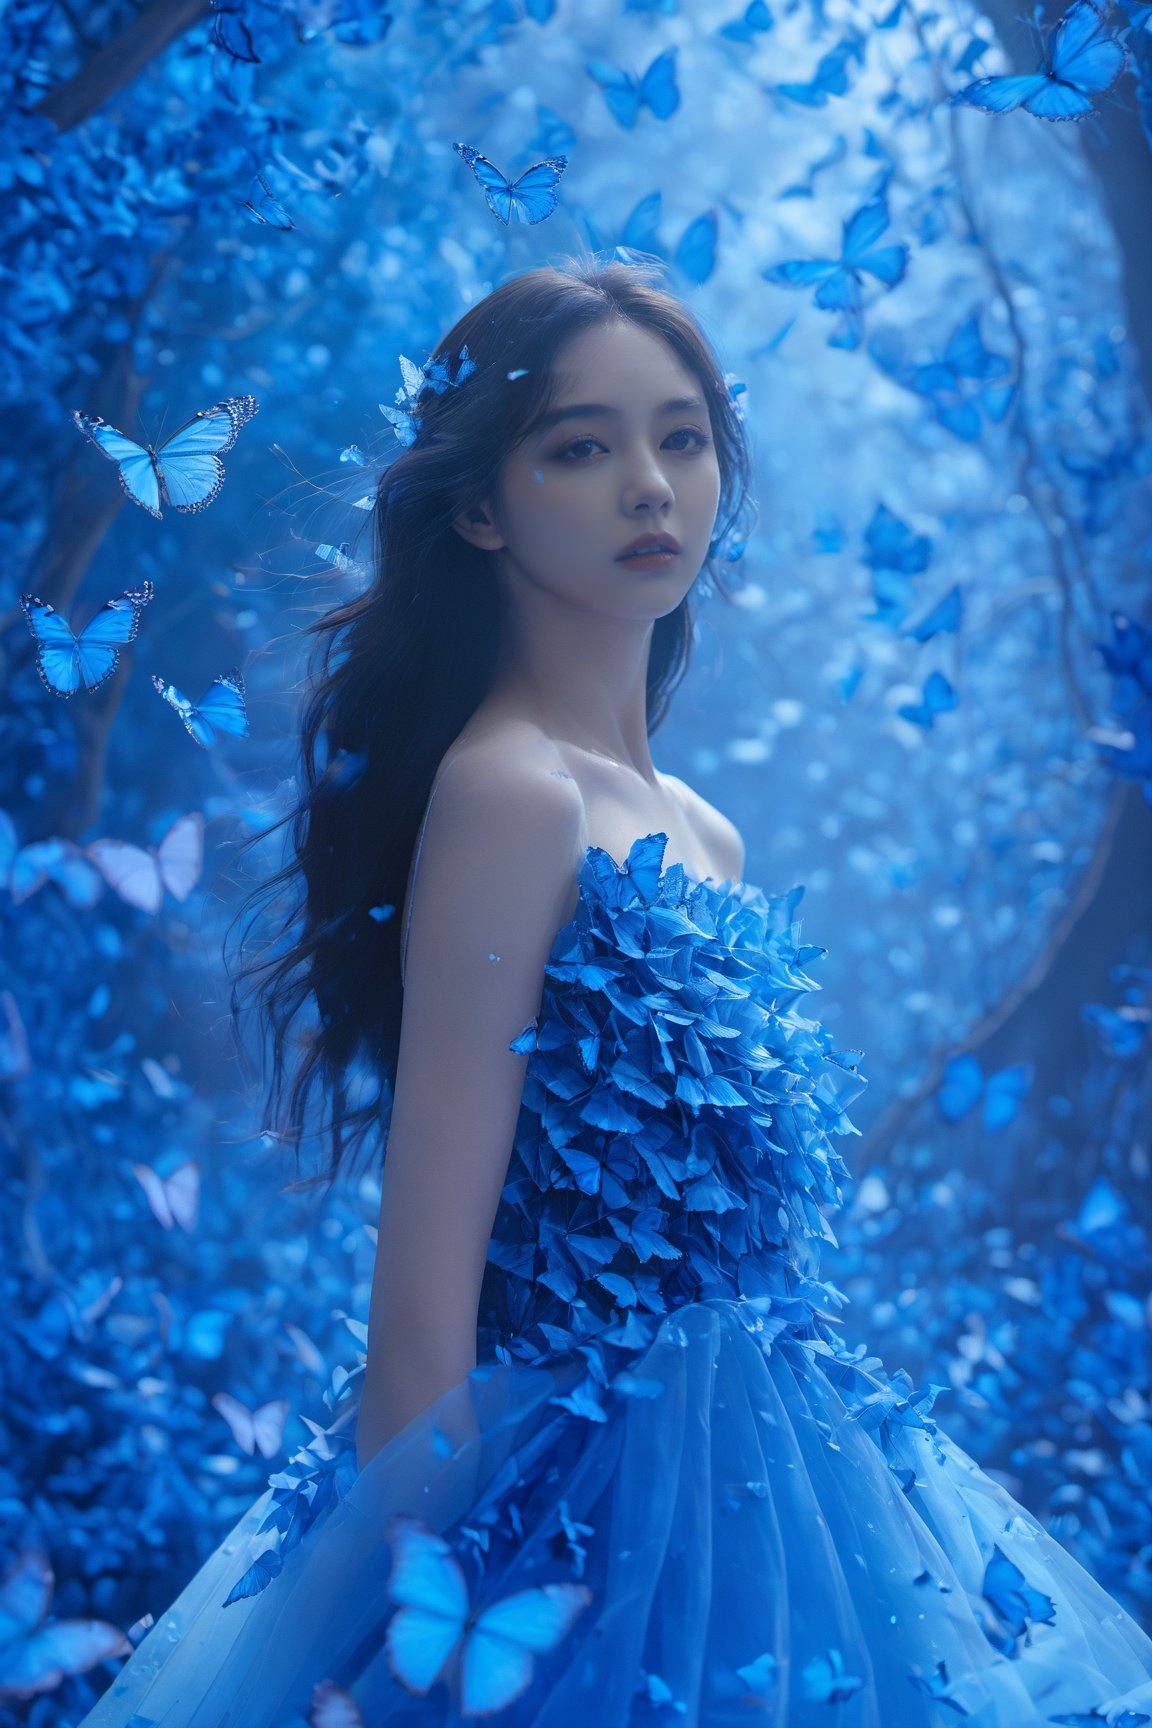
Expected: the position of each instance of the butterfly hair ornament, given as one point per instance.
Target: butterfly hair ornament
(440, 373)
(185, 471)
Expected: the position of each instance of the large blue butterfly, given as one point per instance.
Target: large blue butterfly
(530, 198)
(65, 660)
(695, 252)
(37, 1653)
(626, 95)
(1081, 64)
(186, 470)
(220, 709)
(493, 1647)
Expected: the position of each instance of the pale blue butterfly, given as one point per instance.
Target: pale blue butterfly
(34, 1656)
(220, 709)
(626, 95)
(186, 470)
(491, 1647)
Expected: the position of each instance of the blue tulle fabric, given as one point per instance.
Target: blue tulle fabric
(771, 1526)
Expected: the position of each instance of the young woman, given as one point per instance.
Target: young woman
(612, 1462)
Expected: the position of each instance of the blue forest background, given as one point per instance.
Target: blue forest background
(928, 701)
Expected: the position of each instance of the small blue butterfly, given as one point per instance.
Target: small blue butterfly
(493, 1646)
(695, 252)
(825, 1682)
(230, 32)
(554, 135)
(66, 660)
(830, 77)
(626, 95)
(945, 615)
(963, 1084)
(939, 696)
(755, 18)
(186, 470)
(1081, 64)
(263, 207)
(938, 1687)
(530, 198)
(220, 709)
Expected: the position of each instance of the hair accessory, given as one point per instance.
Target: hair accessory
(435, 374)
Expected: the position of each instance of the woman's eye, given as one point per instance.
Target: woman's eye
(581, 444)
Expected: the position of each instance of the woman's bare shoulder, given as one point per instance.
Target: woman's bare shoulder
(719, 832)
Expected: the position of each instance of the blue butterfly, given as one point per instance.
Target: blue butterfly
(939, 696)
(755, 18)
(1081, 64)
(220, 709)
(695, 253)
(938, 1687)
(830, 77)
(839, 278)
(66, 660)
(945, 615)
(186, 471)
(493, 1647)
(963, 1083)
(555, 135)
(626, 95)
(530, 198)
(35, 1653)
(825, 1682)
(1014, 1600)
(263, 207)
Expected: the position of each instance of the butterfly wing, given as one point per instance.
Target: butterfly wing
(131, 871)
(180, 855)
(57, 656)
(64, 1647)
(268, 1426)
(658, 86)
(533, 195)
(1084, 62)
(497, 189)
(189, 462)
(427, 1582)
(25, 1592)
(263, 207)
(222, 705)
(696, 253)
(135, 462)
(498, 1650)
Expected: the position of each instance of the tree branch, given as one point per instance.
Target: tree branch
(157, 25)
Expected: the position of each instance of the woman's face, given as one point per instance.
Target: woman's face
(625, 450)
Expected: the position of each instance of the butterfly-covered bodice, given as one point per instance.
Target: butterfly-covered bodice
(673, 1137)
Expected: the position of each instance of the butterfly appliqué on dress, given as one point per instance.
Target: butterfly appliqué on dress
(185, 471)
(66, 659)
(492, 1647)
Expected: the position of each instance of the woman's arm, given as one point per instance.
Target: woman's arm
(495, 883)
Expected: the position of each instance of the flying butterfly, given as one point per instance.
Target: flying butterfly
(66, 659)
(185, 470)
(263, 207)
(1082, 62)
(220, 709)
(530, 198)
(263, 1428)
(37, 1652)
(495, 1645)
(141, 875)
(173, 1199)
(626, 95)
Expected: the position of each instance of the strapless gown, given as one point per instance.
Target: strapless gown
(669, 1493)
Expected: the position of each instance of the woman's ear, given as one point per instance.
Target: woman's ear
(477, 527)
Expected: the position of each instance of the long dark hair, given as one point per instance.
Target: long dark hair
(395, 674)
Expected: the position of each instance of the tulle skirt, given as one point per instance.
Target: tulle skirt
(753, 1547)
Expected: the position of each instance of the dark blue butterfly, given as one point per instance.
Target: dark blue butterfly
(65, 660)
(626, 95)
(220, 709)
(1012, 1597)
(186, 470)
(263, 207)
(495, 1644)
(530, 198)
(1082, 62)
